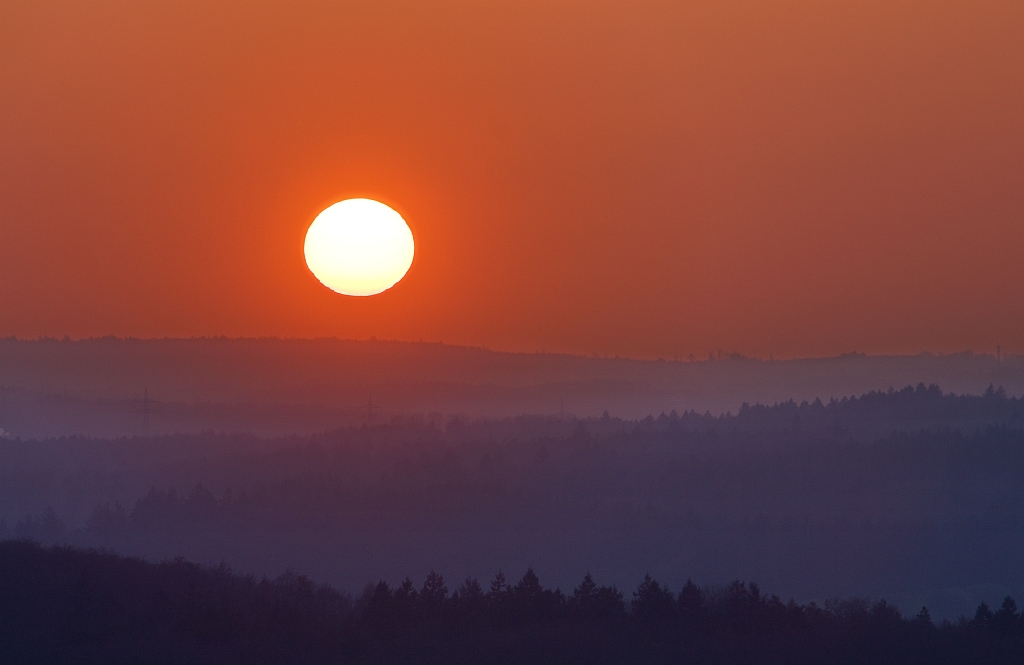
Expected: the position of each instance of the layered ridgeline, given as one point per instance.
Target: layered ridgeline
(62, 605)
(96, 387)
(914, 495)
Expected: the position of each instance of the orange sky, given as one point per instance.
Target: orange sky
(787, 177)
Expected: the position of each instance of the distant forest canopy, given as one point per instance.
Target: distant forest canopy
(871, 414)
(877, 412)
(65, 605)
(805, 497)
(270, 386)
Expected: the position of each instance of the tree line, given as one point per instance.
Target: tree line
(874, 413)
(60, 604)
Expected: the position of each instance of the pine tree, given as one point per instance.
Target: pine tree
(434, 591)
(498, 586)
(1006, 617)
(690, 602)
(583, 595)
(653, 604)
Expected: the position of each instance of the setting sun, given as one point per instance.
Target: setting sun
(359, 247)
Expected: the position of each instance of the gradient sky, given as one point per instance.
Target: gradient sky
(785, 177)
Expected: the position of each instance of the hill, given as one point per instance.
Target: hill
(54, 387)
(62, 605)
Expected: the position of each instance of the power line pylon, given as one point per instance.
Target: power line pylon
(146, 406)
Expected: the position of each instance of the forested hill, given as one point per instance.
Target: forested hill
(808, 498)
(878, 412)
(93, 387)
(62, 605)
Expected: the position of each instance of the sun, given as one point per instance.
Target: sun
(359, 247)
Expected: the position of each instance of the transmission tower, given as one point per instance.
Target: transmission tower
(145, 406)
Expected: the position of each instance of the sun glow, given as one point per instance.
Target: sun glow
(359, 247)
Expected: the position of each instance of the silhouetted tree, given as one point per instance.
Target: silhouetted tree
(498, 587)
(983, 615)
(434, 591)
(924, 617)
(653, 605)
(584, 594)
(590, 601)
(690, 602)
(470, 593)
(1006, 619)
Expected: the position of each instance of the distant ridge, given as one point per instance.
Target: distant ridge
(52, 387)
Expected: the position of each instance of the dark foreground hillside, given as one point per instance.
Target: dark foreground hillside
(61, 605)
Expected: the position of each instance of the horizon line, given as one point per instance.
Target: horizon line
(718, 356)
